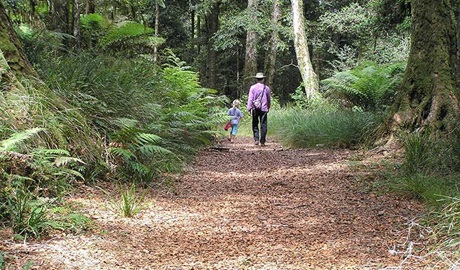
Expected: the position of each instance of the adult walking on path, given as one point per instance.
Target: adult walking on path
(259, 102)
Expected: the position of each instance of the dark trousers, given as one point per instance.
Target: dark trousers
(259, 117)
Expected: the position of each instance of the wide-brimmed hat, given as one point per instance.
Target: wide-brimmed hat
(259, 75)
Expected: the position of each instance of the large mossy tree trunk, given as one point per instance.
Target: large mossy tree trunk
(10, 46)
(428, 97)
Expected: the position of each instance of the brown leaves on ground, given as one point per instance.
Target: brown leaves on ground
(250, 207)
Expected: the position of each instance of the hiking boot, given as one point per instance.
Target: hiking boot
(256, 142)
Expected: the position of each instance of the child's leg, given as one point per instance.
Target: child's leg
(233, 132)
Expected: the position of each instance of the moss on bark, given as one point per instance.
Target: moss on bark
(428, 98)
(11, 47)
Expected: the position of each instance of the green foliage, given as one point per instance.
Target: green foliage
(67, 218)
(369, 86)
(430, 169)
(93, 28)
(427, 188)
(417, 154)
(37, 41)
(26, 176)
(445, 231)
(13, 143)
(130, 202)
(389, 48)
(427, 155)
(28, 215)
(137, 155)
(130, 38)
(167, 103)
(353, 21)
(352, 25)
(45, 170)
(315, 103)
(93, 22)
(299, 128)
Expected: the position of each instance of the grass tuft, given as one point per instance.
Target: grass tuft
(299, 128)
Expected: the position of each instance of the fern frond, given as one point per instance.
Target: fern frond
(153, 149)
(125, 32)
(65, 171)
(11, 143)
(121, 152)
(146, 138)
(93, 21)
(51, 152)
(139, 169)
(64, 161)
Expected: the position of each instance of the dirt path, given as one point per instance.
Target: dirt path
(246, 208)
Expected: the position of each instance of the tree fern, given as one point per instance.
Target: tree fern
(369, 86)
(93, 22)
(129, 35)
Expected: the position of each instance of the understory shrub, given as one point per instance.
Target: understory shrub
(430, 169)
(430, 173)
(369, 87)
(29, 175)
(304, 128)
(152, 119)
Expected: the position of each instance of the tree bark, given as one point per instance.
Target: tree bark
(157, 26)
(212, 28)
(309, 77)
(250, 59)
(428, 98)
(60, 16)
(90, 7)
(76, 23)
(274, 41)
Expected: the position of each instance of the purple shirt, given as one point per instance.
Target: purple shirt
(255, 91)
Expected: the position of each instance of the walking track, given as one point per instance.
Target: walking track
(239, 206)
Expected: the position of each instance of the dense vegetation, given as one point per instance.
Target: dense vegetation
(120, 102)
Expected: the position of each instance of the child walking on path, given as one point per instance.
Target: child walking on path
(236, 114)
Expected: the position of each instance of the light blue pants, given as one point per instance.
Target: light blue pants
(234, 129)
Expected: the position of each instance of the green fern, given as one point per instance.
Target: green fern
(136, 151)
(128, 35)
(93, 22)
(369, 86)
(13, 143)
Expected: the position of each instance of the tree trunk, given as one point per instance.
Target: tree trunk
(212, 27)
(32, 10)
(428, 98)
(76, 23)
(90, 7)
(274, 41)
(10, 47)
(157, 26)
(309, 77)
(60, 16)
(250, 59)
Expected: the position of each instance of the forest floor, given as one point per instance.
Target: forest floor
(241, 206)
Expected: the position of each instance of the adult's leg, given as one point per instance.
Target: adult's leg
(263, 127)
(255, 125)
